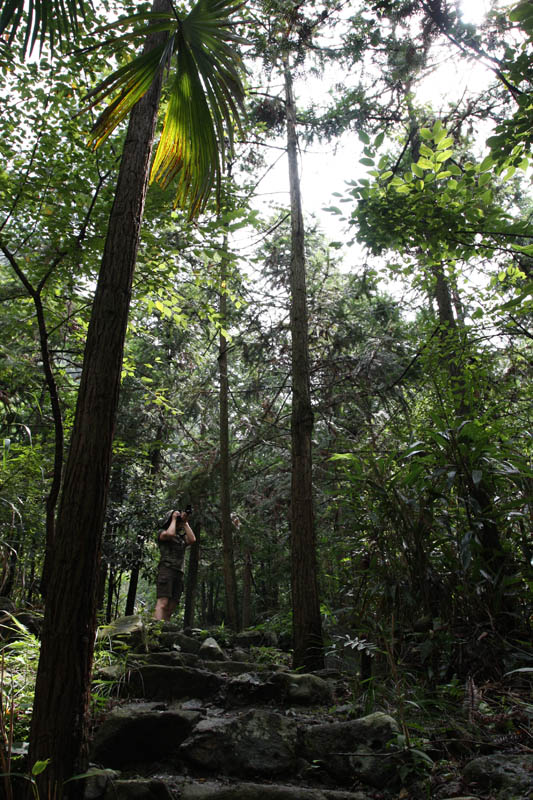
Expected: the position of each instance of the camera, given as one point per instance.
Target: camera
(187, 510)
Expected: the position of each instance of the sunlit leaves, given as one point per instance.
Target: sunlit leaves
(206, 97)
(439, 206)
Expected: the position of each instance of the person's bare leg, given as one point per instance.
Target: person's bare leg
(160, 611)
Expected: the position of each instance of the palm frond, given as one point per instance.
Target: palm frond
(133, 80)
(205, 102)
(55, 19)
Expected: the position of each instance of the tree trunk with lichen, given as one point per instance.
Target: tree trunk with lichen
(59, 730)
(307, 628)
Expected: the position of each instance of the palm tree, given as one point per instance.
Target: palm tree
(205, 97)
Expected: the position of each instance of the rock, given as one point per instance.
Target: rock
(211, 650)
(156, 682)
(14, 624)
(510, 775)
(355, 749)
(255, 638)
(172, 638)
(140, 732)
(211, 790)
(235, 667)
(258, 742)
(130, 629)
(249, 688)
(239, 654)
(6, 606)
(306, 689)
(137, 789)
(33, 622)
(96, 785)
(167, 658)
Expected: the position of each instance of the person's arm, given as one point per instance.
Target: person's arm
(190, 538)
(170, 532)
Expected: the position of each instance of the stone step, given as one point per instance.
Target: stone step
(169, 788)
(249, 745)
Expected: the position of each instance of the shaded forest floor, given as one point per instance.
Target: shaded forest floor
(429, 740)
(211, 715)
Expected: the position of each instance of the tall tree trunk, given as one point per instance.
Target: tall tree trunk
(133, 583)
(59, 730)
(191, 585)
(307, 630)
(230, 583)
(247, 591)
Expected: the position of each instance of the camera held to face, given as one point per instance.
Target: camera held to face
(187, 512)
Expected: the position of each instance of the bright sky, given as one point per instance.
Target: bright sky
(324, 169)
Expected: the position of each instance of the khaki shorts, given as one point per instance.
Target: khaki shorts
(169, 582)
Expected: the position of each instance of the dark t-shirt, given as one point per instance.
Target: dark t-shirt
(172, 551)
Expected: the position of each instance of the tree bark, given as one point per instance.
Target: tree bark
(247, 591)
(59, 730)
(307, 630)
(191, 586)
(230, 583)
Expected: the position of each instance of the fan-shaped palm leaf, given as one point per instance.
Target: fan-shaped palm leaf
(205, 102)
(41, 18)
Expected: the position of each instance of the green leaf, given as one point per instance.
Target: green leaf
(424, 163)
(486, 164)
(39, 767)
(444, 143)
(378, 141)
(364, 137)
(527, 250)
(368, 162)
(425, 133)
(418, 171)
(206, 98)
(522, 12)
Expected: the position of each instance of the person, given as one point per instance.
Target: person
(175, 536)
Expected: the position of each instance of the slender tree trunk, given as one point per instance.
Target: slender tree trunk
(132, 585)
(191, 585)
(247, 591)
(59, 729)
(53, 493)
(307, 630)
(230, 583)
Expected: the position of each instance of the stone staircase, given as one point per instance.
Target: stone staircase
(193, 721)
(196, 722)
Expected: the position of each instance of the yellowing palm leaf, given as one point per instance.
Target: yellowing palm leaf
(205, 98)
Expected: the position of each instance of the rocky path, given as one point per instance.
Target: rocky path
(195, 722)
